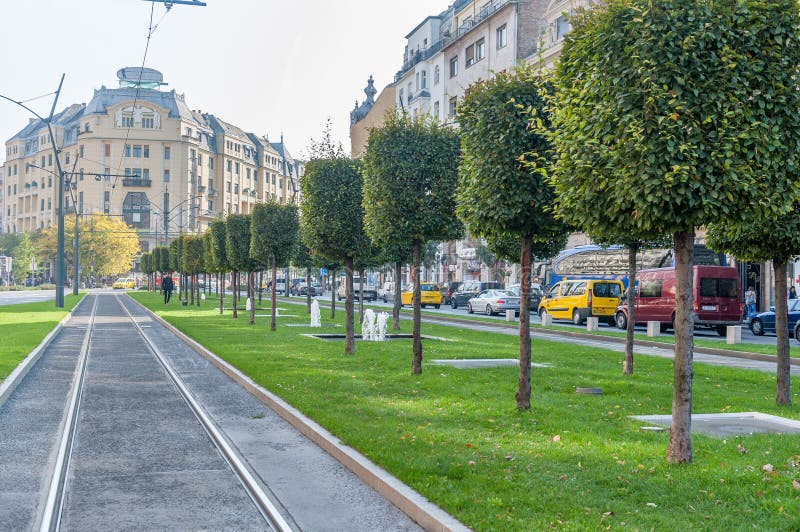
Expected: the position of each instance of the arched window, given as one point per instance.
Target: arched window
(136, 210)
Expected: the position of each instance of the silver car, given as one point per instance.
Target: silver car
(493, 302)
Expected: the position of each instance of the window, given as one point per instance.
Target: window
(718, 287)
(188, 132)
(148, 122)
(229, 164)
(136, 210)
(50, 159)
(400, 99)
(247, 173)
(453, 105)
(454, 67)
(436, 75)
(210, 205)
(166, 176)
(562, 27)
(423, 79)
(480, 49)
(650, 288)
(80, 150)
(146, 173)
(469, 56)
(107, 150)
(416, 81)
(49, 204)
(43, 161)
(80, 202)
(66, 158)
(167, 153)
(436, 109)
(236, 166)
(137, 151)
(49, 182)
(41, 204)
(127, 150)
(227, 186)
(236, 188)
(81, 175)
(211, 163)
(127, 121)
(146, 151)
(502, 37)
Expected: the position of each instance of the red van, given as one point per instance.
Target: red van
(716, 298)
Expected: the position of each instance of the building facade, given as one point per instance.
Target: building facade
(371, 113)
(140, 153)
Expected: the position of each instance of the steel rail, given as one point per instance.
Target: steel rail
(259, 497)
(51, 515)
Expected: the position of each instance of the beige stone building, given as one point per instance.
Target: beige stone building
(140, 153)
(371, 113)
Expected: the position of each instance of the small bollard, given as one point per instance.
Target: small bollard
(547, 320)
(509, 315)
(653, 328)
(592, 323)
(734, 334)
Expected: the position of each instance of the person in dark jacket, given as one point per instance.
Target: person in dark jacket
(167, 286)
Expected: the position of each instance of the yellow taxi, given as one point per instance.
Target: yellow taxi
(124, 282)
(429, 294)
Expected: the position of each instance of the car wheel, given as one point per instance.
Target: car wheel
(384, 299)
(453, 304)
(722, 330)
(576, 317)
(621, 320)
(797, 331)
(436, 306)
(489, 310)
(757, 327)
(542, 312)
(469, 308)
(421, 305)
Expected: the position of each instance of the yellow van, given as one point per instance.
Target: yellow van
(577, 299)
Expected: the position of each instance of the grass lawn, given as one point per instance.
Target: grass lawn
(573, 462)
(23, 326)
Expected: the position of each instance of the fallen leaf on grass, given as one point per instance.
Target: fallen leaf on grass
(652, 505)
(796, 485)
(471, 462)
(556, 438)
(741, 448)
(563, 477)
(509, 457)
(767, 467)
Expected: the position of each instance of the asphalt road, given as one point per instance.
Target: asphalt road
(26, 296)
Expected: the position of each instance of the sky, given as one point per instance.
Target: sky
(268, 67)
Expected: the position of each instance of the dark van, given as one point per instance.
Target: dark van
(716, 298)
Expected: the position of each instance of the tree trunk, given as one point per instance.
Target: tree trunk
(783, 394)
(333, 293)
(349, 344)
(251, 277)
(398, 271)
(191, 286)
(523, 395)
(679, 448)
(235, 287)
(308, 289)
(361, 296)
(416, 363)
(273, 324)
(221, 291)
(260, 283)
(627, 362)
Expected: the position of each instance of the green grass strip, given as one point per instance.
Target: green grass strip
(573, 462)
(24, 326)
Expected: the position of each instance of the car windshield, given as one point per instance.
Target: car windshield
(503, 293)
(428, 288)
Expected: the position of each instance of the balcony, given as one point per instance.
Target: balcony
(136, 182)
(212, 192)
(417, 57)
(201, 188)
(485, 12)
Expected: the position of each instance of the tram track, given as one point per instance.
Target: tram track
(58, 486)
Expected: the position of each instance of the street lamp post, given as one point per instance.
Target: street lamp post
(60, 252)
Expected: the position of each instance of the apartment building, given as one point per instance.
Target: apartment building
(553, 30)
(140, 153)
(2, 200)
(371, 113)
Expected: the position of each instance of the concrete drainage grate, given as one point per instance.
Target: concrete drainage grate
(729, 424)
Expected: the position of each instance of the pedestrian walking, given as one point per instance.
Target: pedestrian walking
(750, 302)
(792, 292)
(167, 286)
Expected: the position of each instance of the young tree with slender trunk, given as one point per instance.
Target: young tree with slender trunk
(503, 187)
(237, 250)
(775, 240)
(672, 116)
(193, 253)
(274, 233)
(410, 177)
(218, 235)
(331, 221)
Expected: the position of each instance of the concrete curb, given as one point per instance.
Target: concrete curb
(11, 382)
(414, 505)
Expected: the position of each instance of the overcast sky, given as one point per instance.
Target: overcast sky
(266, 66)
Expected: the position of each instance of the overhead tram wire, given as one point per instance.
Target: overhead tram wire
(151, 29)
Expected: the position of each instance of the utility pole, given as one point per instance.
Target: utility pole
(57, 152)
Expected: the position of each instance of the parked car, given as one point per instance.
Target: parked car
(716, 298)
(764, 322)
(428, 295)
(386, 292)
(534, 298)
(577, 299)
(302, 289)
(124, 282)
(447, 290)
(370, 293)
(470, 289)
(494, 302)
